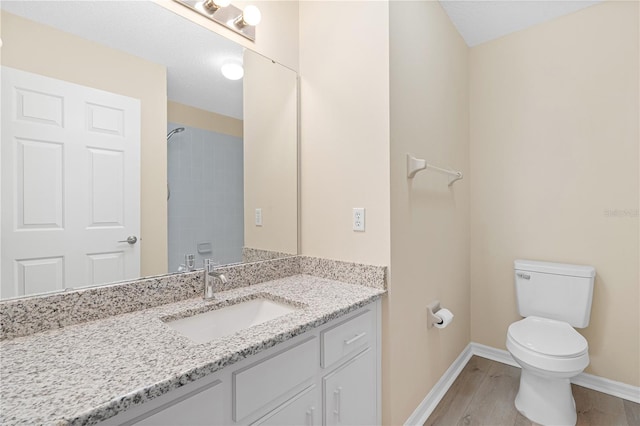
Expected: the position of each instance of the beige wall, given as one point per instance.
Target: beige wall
(554, 148)
(429, 220)
(270, 154)
(46, 51)
(344, 68)
(201, 119)
(276, 35)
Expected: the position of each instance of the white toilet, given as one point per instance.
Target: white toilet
(554, 298)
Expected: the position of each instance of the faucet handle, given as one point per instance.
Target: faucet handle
(209, 265)
(190, 261)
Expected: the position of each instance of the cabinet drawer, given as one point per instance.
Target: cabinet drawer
(204, 406)
(259, 384)
(346, 338)
(302, 409)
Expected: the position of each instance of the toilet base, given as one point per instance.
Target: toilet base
(546, 400)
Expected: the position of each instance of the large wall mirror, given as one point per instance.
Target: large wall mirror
(125, 149)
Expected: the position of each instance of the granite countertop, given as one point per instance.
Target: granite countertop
(88, 372)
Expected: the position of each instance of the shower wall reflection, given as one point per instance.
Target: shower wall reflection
(205, 207)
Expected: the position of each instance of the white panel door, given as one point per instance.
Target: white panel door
(70, 185)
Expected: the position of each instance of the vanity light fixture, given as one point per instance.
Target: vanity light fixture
(224, 13)
(212, 6)
(232, 70)
(250, 16)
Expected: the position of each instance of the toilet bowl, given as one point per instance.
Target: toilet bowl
(553, 298)
(550, 353)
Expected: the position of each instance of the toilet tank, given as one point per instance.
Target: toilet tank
(555, 290)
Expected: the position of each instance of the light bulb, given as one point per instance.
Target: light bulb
(232, 71)
(251, 15)
(212, 6)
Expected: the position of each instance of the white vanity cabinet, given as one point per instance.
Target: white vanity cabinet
(303, 409)
(350, 392)
(273, 380)
(327, 376)
(350, 385)
(204, 406)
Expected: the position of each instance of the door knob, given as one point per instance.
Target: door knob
(132, 239)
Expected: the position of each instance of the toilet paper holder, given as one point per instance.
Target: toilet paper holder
(432, 319)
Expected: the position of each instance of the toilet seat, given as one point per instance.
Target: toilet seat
(548, 337)
(547, 345)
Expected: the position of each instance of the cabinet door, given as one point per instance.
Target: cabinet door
(350, 392)
(203, 406)
(300, 410)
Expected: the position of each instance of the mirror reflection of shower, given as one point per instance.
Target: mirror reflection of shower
(206, 204)
(169, 135)
(173, 132)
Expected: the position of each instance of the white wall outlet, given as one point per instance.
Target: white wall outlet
(358, 219)
(258, 217)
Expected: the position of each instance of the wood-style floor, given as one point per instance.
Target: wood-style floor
(484, 392)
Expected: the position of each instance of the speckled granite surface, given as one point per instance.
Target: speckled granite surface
(87, 372)
(348, 272)
(250, 254)
(22, 317)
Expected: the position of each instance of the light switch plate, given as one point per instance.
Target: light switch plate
(258, 217)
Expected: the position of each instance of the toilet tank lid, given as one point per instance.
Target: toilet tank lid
(555, 268)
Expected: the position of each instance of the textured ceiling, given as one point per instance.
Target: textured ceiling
(192, 54)
(479, 21)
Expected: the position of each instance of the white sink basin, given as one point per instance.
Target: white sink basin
(207, 326)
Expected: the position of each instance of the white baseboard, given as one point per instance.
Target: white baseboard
(610, 387)
(597, 383)
(433, 398)
(430, 402)
(493, 354)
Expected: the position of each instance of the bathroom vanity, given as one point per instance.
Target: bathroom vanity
(328, 375)
(316, 363)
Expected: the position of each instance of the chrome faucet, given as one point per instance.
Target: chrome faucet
(210, 275)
